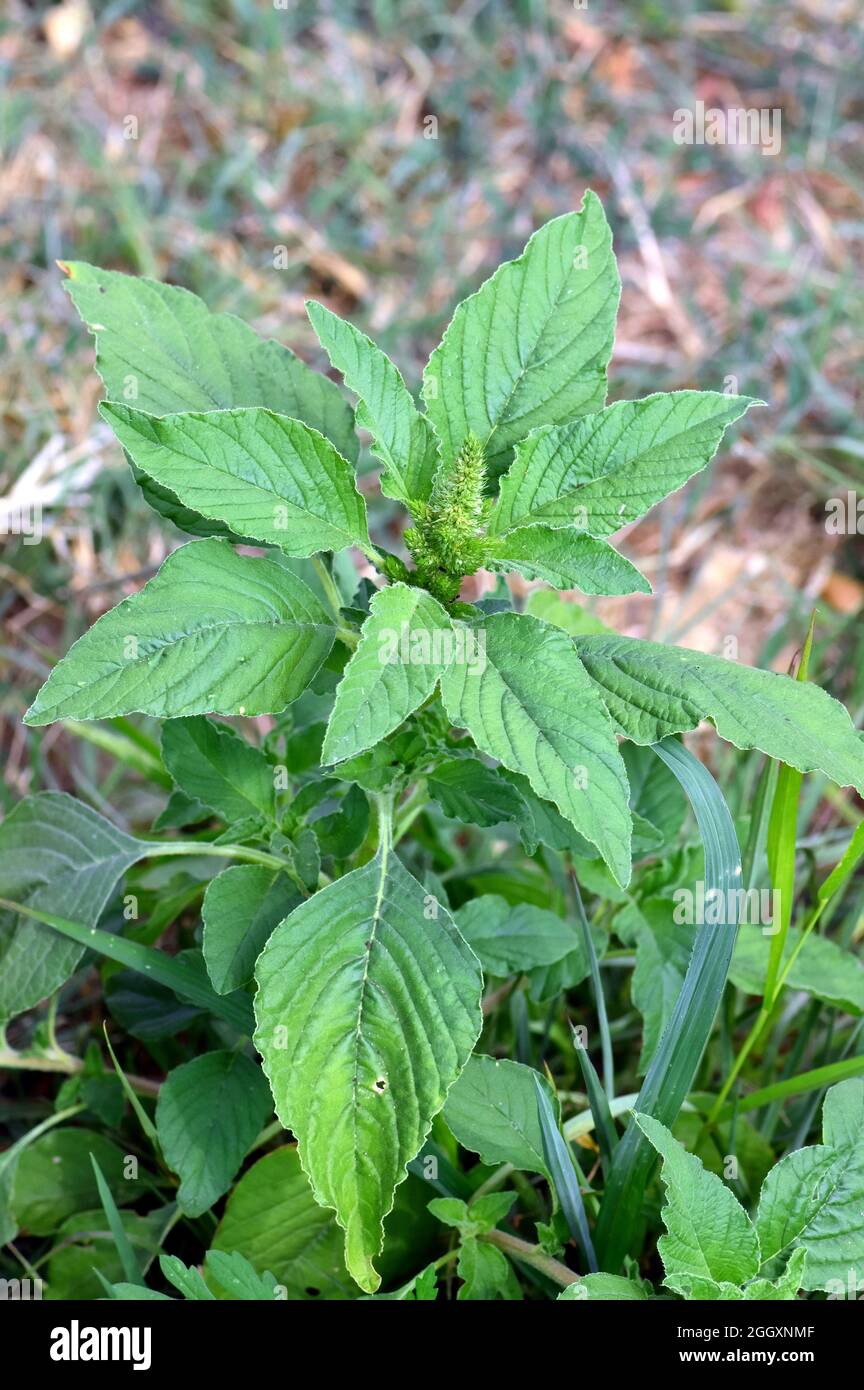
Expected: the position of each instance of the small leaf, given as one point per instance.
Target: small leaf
(708, 1232)
(241, 907)
(212, 632)
(208, 1113)
(531, 346)
(469, 791)
(217, 767)
(263, 475)
(509, 940)
(492, 1111)
(531, 705)
(814, 1197)
(406, 642)
(607, 469)
(240, 1280)
(568, 559)
(402, 438)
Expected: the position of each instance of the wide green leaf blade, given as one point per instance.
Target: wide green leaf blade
(492, 1111)
(651, 691)
(54, 1178)
(212, 632)
(272, 1218)
(402, 438)
(218, 768)
(509, 940)
(405, 644)
(56, 854)
(605, 470)
(531, 705)
(265, 476)
(241, 907)
(367, 1008)
(208, 1113)
(708, 1232)
(567, 559)
(531, 346)
(469, 791)
(160, 349)
(814, 1197)
(822, 968)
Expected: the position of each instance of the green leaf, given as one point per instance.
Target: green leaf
(208, 1113)
(531, 705)
(55, 854)
(822, 968)
(485, 1272)
(605, 470)
(212, 632)
(564, 1175)
(85, 1254)
(405, 644)
(241, 907)
(469, 791)
(563, 612)
(265, 476)
(217, 767)
(402, 438)
(54, 1178)
(531, 346)
(159, 348)
(272, 1218)
(652, 691)
(509, 940)
(814, 1197)
(122, 1244)
(483, 1214)
(189, 1281)
(235, 1274)
(603, 1287)
(708, 1232)
(492, 1111)
(568, 559)
(367, 1011)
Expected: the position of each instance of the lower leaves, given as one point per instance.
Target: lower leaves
(367, 1009)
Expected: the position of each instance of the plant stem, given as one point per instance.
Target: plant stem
(174, 848)
(532, 1255)
(411, 808)
(334, 598)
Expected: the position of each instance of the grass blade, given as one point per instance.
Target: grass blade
(599, 998)
(176, 975)
(115, 1225)
(674, 1065)
(564, 1178)
(604, 1125)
